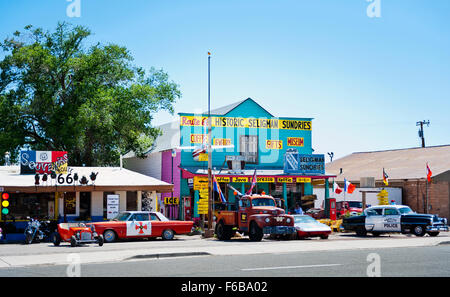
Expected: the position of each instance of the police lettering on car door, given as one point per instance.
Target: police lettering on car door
(391, 220)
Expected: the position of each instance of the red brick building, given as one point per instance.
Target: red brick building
(406, 169)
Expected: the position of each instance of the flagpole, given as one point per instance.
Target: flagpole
(210, 212)
(256, 182)
(345, 188)
(426, 191)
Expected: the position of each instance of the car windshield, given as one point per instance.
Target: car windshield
(405, 210)
(304, 219)
(122, 216)
(263, 202)
(355, 204)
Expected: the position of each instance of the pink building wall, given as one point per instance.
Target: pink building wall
(166, 175)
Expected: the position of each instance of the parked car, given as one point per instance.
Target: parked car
(141, 224)
(394, 218)
(307, 226)
(317, 213)
(76, 234)
(348, 207)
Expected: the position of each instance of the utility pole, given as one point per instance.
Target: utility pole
(421, 135)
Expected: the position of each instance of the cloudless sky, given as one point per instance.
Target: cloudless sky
(365, 81)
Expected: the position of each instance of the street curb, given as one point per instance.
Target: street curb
(168, 255)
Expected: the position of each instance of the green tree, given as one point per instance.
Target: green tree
(57, 93)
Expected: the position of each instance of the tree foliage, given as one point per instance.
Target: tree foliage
(56, 93)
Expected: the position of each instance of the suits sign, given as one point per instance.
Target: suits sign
(32, 162)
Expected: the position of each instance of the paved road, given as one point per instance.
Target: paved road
(401, 262)
(22, 259)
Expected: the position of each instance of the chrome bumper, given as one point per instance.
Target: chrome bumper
(279, 230)
(437, 228)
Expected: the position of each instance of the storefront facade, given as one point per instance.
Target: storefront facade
(64, 199)
(247, 133)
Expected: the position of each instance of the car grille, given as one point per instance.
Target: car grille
(86, 236)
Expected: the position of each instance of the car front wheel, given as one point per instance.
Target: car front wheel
(418, 230)
(109, 236)
(256, 233)
(101, 240)
(73, 241)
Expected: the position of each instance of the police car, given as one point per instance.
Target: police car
(394, 218)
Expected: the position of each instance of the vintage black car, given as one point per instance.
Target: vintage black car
(394, 218)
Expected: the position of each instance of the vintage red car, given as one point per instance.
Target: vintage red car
(141, 224)
(76, 234)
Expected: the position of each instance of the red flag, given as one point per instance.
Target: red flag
(429, 173)
(337, 189)
(254, 179)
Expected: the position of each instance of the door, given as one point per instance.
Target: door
(391, 220)
(374, 219)
(139, 225)
(243, 214)
(85, 205)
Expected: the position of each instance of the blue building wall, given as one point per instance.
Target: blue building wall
(244, 120)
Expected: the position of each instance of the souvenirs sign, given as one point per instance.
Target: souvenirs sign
(32, 162)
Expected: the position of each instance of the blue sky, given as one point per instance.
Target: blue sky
(365, 81)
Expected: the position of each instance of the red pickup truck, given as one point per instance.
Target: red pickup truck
(256, 215)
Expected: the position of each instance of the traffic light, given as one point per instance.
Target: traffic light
(5, 203)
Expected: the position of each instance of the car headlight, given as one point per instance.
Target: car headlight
(288, 220)
(267, 220)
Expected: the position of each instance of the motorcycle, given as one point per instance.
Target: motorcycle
(33, 232)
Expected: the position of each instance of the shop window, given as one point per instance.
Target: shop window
(23, 205)
(132, 200)
(249, 148)
(70, 203)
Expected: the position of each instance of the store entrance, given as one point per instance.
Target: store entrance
(85, 205)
